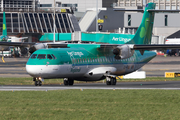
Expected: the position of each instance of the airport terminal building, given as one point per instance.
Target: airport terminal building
(24, 18)
(34, 18)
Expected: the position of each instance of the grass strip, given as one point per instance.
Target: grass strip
(91, 105)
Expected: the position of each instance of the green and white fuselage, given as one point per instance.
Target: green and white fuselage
(92, 62)
(85, 63)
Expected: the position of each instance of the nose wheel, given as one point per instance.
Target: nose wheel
(37, 82)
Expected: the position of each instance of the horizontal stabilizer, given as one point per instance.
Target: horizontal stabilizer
(132, 10)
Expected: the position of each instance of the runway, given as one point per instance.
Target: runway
(163, 85)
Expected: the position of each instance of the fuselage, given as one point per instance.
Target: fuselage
(82, 64)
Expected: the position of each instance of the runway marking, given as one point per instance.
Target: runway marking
(3, 59)
(80, 88)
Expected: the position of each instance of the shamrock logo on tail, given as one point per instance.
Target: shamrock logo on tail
(145, 30)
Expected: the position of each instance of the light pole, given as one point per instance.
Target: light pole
(54, 22)
(97, 15)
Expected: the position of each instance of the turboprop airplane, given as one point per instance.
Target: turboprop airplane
(93, 62)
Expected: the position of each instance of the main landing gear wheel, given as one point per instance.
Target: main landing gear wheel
(40, 83)
(110, 81)
(68, 81)
(113, 81)
(36, 83)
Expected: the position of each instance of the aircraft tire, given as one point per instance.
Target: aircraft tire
(40, 83)
(113, 81)
(36, 83)
(71, 82)
(108, 82)
(66, 82)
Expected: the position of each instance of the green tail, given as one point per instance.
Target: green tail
(144, 32)
(4, 25)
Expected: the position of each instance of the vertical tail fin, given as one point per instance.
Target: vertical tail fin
(144, 33)
(4, 25)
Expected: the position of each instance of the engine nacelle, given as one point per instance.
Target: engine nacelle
(24, 51)
(123, 52)
(37, 46)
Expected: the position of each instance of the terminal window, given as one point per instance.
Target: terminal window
(129, 20)
(45, 5)
(166, 20)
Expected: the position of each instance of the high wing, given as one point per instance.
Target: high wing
(131, 46)
(102, 46)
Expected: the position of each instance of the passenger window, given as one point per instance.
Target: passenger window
(49, 57)
(33, 56)
(54, 56)
(41, 56)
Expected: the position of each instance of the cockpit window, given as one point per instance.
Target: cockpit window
(33, 56)
(41, 56)
(49, 56)
(54, 56)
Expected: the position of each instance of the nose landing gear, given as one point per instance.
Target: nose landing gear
(37, 81)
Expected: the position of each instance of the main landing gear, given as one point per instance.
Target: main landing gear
(37, 82)
(68, 81)
(110, 80)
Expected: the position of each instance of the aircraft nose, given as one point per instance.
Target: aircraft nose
(31, 70)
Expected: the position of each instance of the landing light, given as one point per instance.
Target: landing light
(39, 78)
